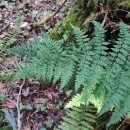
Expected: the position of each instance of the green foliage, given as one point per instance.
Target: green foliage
(77, 101)
(79, 118)
(74, 17)
(26, 51)
(102, 75)
(10, 117)
(2, 96)
(5, 74)
(11, 37)
(110, 76)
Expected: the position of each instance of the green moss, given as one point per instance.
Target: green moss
(124, 3)
(82, 13)
(64, 30)
(87, 21)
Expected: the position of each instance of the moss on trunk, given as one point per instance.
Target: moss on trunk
(85, 11)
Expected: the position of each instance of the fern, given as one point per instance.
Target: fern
(11, 37)
(77, 101)
(26, 51)
(102, 75)
(79, 118)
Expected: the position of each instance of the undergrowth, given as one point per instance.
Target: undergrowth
(99, 76)
(11, 37)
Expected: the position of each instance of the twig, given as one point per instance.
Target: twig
(24, 93)
(100, 125)
(45, 20)
(59, 8)
(12, 101)
(17, 105)
(121, 10)
(19, 122)
(105, 18)
(121, 124)
(2, 29)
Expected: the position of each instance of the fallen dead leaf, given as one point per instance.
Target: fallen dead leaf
(26, 92)
(55, 94)
(21, 6)
(23, 25)
(1, 17)
(41, 100)
(3, 35)
(37, 110)
(57, 86)
(27, 128)
(68, 93)
(2, 60)
(49, 118)
(2, 87)
(30, 39)
(9, 105)
(35, 12)
(49, 95)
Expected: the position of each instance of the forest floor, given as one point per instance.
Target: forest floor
(41, 107)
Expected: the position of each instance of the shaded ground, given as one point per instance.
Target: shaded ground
(41, 106)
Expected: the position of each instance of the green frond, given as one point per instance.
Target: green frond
(78, 100)
(101, 76)
(11, 37)
(79, 118)
(26, 51)
(75, 102)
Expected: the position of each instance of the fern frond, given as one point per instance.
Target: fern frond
(118, 76)
(79, 118)
(10, 38)
(77, 101)
(103, 76)
(26, 51)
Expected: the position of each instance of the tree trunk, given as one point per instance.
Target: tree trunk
(107, 12)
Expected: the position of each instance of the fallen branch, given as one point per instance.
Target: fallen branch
(105, 19)
(17, 105)
(18, 100)
(48, 18)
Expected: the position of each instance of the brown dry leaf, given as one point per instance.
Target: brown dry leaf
(41, 100)
(3, 35)
(37, 110)
(27, 128)
(26, 92)
(49, 118)
(2, 60)
(6, 14)
(57, 86)
(55, 94)
(1, 17)
(128, 15)
(2, 87)
(30, 39)
(35, 12)
(51, 106)
(68, 93)
(49, 95)
(9, 105)
(21, 6)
